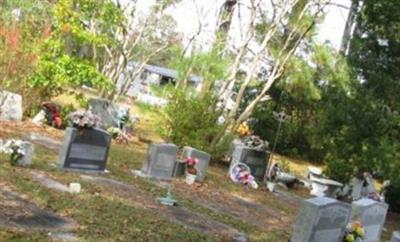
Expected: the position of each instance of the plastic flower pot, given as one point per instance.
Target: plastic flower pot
(190, 178)
(271, 186)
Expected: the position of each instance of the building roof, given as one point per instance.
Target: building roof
(167, 72)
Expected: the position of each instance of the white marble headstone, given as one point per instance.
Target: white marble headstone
(321, 219)
(10, 106)
(372, 215)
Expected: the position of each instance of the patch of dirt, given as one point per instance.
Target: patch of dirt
(11, 128)
(18, 212)
(251, 212)
(178, 214)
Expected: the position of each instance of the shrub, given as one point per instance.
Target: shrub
(191, 120)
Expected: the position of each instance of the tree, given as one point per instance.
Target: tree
(278, 41)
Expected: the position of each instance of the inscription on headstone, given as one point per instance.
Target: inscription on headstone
(321, 219)
(372, 215)
(161, 160)
(203, 158)
(85, 149)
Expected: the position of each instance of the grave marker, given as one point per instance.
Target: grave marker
(321, 219)
(106, 112)
(372, 215)
(85, 149)
(255, 159)
(203, 158)
(10, 106)
(161, 160)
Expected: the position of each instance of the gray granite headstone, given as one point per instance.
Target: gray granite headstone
(85, 149)
(10, 106)
(321, 219)
(203, 158)
(255, 159)
(106, 112)
(372, 215)
(26, 160)
(395, 236)
(161, 161)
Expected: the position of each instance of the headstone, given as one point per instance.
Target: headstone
(161, 160)
(372, 215)
(85, 149)
(106, 112)
(203, 158)
(10, 106)
(255, 159)
(321, 219)
(395, 236)
(356, 188)
(26, 160)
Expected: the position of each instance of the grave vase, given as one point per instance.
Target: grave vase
(190, 178)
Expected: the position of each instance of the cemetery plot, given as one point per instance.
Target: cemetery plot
(18, 212)
(179, 214)
(253, 213)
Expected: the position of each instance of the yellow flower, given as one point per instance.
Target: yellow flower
(360, 231)
(350, 238)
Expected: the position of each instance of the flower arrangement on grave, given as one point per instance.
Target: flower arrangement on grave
(354, 232)
(240, 173)
(255, 142)
(191, 165)
(191, 170)
(83, 119)
(243, 129)
(118, 135)
(14, 149)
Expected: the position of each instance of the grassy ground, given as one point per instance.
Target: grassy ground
(103, 216)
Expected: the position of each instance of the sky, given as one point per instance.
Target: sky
(188, 14)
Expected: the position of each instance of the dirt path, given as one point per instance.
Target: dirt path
(178, 214)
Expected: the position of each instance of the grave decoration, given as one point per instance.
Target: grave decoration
(85, 145)
(252, 151)
(203, 159)
(21, 152)
(191, 169)
(168, 199)
(372, 215)
(120, 136)
(321, 219)
(354, 232)
(241, 173)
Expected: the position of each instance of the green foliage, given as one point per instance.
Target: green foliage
(307, 93)
(190, 120)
